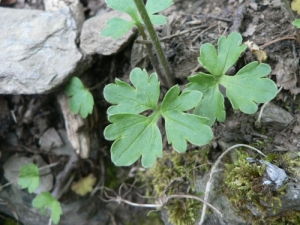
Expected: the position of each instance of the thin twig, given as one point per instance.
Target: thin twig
(209, 17)
(48, 166)
(258, 121)
(172, 35)
(203, 31)
(9, 183)
(41, 168)
(278, 39)
(162, 201)
(196, 198)
(214, 169)
(99, 84)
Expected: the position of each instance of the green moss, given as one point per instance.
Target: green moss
(183, 211)
(152, 218)
(285, 218)
(244, 187)
(175, 173)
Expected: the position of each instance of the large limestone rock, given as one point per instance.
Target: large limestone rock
(91, 42)
(38, 50)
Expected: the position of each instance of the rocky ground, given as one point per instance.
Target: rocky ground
(45, 43)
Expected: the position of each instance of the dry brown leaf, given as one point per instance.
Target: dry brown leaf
(85, 185)
(250, 30)
(296, 6)
(285, 75)
(260, 54)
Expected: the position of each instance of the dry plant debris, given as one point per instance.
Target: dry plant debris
(84, 185)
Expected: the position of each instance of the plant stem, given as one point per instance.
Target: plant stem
(151, 56)
(156, 43)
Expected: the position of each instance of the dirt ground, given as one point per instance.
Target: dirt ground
(266, 23)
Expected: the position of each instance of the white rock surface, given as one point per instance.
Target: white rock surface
(38, 50)
(75, 6)
(93, 43)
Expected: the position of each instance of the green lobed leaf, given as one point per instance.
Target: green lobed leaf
(249, 87)
(244, 90)
(81, 98)
(117, 27)
(185, 101)
(126, 6)
(133, 100)
(45, 201)
(158, 19)
(229, 50)
(29, 177)
(212, 98)
(296, 23)
(182, 127)
(136, 136)
(155, 6)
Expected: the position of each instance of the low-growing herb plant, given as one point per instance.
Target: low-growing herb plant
(137, 135)
(142, 16)
(244, 90)
(29, 177)
(46, 201)
(81, 100)
(296, 23)
(117, 27)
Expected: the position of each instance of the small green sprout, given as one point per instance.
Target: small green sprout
(45, 201)
(81, 98)
(117, 27)
(296, 23)
(137, 135)
(244, 90)
(29, 177)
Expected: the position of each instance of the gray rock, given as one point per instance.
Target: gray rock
(14, 163)
(50, 139)
(93, 43)
(66, 148)
(220, 201)
(38, 50)
(290, 200)
(274, 175)
(75, 6)
(275, 117)
(76, 211)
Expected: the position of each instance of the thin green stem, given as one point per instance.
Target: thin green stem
(151, 56)
(156, 43)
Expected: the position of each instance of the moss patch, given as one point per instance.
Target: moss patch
(244, 187)
(173, 174)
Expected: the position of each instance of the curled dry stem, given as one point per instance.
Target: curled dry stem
(161, 201)
(214, 170)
